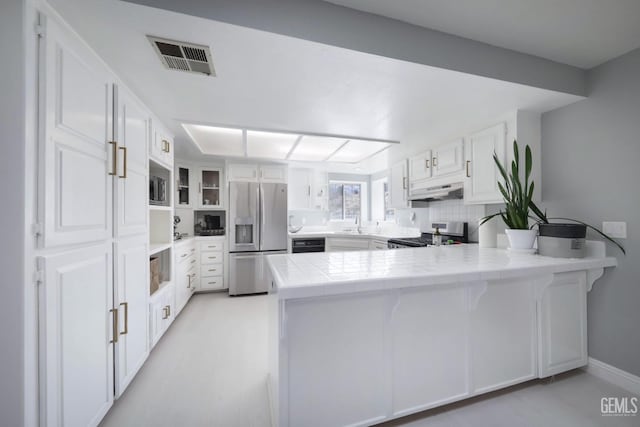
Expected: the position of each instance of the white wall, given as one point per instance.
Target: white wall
(12, 224)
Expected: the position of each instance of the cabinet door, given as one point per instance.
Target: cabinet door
(185, 184)
(157, 316)
(273, 174)
(481, 183)
(448, 158)
(399, 185)
(243, 173)
(210, 188)
(300, 189)
(77, 330)
(562, 323)
(132, 182)
(76, 157)
(161, 149)
(420, 166)
(132, 299)
(429, 360)
(502, 326)
(183, 285)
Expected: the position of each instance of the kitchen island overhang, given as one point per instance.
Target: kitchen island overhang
(357, 338)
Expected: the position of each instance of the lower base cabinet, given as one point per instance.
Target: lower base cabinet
(161, 312)
(344, 244)
(78, 329)
(376, 356)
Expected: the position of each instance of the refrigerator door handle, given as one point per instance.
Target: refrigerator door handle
(258, 218)
(262, 216)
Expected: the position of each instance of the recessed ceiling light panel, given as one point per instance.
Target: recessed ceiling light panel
(316, 148)
(357, 150)
(270, 145)
(216, 141)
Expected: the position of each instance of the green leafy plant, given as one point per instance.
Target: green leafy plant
(517, 197)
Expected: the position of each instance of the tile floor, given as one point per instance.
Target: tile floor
(210, 369)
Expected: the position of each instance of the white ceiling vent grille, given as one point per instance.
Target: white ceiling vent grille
(183, 56)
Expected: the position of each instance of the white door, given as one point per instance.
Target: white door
(273, 174)
(76, 157)
(448, 158)
(132, 135)
(157, 316)
(243, 173)
(562, 321)
(161, 148)
(398, 178)
(502, 324)
(77, 329)
(420, 166)
(183, 284)
(481, 183)
(132, 302)
(300, 189)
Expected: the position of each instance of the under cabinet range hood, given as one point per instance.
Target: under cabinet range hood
(440, 192)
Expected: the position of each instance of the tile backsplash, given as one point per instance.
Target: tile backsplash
(456, 210)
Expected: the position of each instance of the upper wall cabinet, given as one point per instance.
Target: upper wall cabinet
(481, 182)
(255, 173)
(448, 158)
(300, 192)
(161, 148)
(420, 166)
(185, 183)
(210, 184)
(398, 178)
(132, 134)
(78, 162)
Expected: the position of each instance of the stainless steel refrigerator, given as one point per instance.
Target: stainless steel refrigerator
(258, 227)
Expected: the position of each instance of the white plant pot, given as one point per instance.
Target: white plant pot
(521, 239)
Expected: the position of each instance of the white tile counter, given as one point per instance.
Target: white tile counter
(332, 273)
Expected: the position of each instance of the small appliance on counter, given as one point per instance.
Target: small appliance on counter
(451, 232)
(209, 223)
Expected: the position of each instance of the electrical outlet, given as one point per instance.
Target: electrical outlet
(615, 229)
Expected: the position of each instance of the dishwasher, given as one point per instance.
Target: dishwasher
(305, 245)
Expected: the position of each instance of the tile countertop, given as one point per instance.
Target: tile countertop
(333, 273)
(187, 239)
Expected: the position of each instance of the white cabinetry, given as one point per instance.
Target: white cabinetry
(255, 173)
(132, 134)
(420, 166)
(503, 334)
(344, 244)
(273, 173)
(562, 324)
(131, 297)
(161, 312)
(398, 177)
(210, 184)
(448, 158)
(161, 148)
(186, 263)
(212, 262)
(79, 327)
(481, 182)
(300, 189)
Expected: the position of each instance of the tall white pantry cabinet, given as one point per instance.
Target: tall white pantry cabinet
(93, 237)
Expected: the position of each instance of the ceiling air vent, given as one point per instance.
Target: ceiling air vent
(183, 56)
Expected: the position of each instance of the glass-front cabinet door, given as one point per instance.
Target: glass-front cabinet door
(210, 188)
(183, 187)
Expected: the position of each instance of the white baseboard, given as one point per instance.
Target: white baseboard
(622, 379)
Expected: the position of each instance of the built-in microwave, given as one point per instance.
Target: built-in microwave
(157, 190)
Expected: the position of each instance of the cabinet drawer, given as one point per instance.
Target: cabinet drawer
(211, 257)
(185, 253)
(211, 270)
(212, 246)
(209, 283)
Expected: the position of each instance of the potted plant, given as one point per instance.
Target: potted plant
(556, 239)
(518, 200)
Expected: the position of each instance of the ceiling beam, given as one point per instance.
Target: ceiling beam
(334, 25)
